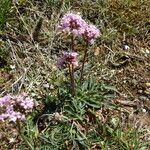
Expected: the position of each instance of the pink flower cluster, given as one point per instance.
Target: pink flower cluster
(68, 58)
(74, 24)
(91, 32)
(14, 108)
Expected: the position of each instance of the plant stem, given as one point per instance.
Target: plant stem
(72, 81)
(72, 43)
(83, 62)
(71, 69)
(22, 136)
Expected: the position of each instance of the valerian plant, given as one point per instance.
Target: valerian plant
(76, 26)
(15, 108)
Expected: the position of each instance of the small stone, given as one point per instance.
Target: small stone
(147, 91)
(12, 67)
(11, 140)
(33, 94)
(38, 83)
(124, 81)
(144, 110)
(46, 85)
(51, 87)
(147, 84)
(147, 51)
(140, 91)
(126, 47)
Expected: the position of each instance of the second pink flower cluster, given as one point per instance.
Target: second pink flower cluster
(67, 59)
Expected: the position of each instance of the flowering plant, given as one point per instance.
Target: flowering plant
(75, 25)
(15, 108)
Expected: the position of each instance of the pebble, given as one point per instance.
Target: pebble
(147, 84)
(147, 91)
(147, 51)
(140, 91)
(11, 140)
(126, 47)
(143, 110)
(46, 85)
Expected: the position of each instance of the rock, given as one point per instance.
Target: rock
(140, 91)
(126, 47)
(46, 85)
(144, 110)
(147, 51)
(147, 84)
(147, 91)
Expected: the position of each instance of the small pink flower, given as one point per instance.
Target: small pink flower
(68, 58)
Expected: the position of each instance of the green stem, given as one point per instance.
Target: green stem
(83, 62)
(71, 69)
(72, 80)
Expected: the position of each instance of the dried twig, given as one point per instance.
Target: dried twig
(126, 103)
